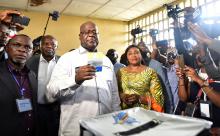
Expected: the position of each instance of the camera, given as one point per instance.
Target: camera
(137, 30)
(171, 56)
(20, 20)
(153, 32)
(162, 43)
(173, 11)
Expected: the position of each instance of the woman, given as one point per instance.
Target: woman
(138, 84)
(200, 91)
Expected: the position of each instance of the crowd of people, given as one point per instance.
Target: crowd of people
(44, 94)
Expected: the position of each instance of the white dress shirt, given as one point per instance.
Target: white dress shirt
(96, 96)
(44, 74)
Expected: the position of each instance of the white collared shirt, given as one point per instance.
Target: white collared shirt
(44, 74)
(81, 101)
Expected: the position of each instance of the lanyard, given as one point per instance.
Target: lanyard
(21, 88)
(201, 91)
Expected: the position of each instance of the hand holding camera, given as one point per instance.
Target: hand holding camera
(190, 72)
(6, 17)
(199, 34)
(153, 33)
(15, 19)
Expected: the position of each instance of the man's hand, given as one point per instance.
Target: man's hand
(180, 73)
(199, 34)
(129, 99)
(83, 73)
(190, 72)
(6, 17)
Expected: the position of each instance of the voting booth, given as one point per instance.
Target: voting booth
(142, 124)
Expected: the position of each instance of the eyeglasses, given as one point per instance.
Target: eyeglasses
(19, 46)
(90, 32)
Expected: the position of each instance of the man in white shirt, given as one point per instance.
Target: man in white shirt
(83, 90)
(43, 65)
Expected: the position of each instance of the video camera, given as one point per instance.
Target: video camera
(137, 30)
(162, 43)
(153, 32)
(190, 14)
(173, 11)
(20, 20)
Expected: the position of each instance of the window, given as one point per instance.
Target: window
(201, 2)
(210, 10)
(159, 20)
(152, 19)
(164, 13)
(161, 25)
(160, 15)
(147, 21)
(166, 34)
(194, 3)
(181, 5)
(160, 36)
(156, 26)
(155, 17)
(165, 23)
(187, 3)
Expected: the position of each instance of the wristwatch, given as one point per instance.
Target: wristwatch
(205, 84)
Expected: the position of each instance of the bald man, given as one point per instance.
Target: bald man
(84, 90)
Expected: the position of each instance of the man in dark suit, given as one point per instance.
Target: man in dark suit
(18, 90)
(43, 65)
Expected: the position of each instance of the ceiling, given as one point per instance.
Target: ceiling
(123, 10)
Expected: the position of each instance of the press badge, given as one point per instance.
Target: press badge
(205, 108)
(23, 105)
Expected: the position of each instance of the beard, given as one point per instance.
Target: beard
(48, 53)
(18, 63)
(90, 47)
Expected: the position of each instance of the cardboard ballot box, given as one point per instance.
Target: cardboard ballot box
(170, 125)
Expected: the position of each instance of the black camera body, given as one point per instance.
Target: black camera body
(135, 31)
(171, 56)
(162, 43)
(173, 11)
(153, 32)
(20, 20)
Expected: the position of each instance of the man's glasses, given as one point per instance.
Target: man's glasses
(90, 32)
(17, 46)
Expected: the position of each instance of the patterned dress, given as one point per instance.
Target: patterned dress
(143, 83)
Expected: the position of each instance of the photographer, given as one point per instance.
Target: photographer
(171, 64)
(181, 33)
(205, 41)
(196, 90)
(203, 38)
(7, 26)
(190, 93)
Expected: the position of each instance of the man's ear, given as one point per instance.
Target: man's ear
(56, 47)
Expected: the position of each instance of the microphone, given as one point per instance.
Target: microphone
(55, 15)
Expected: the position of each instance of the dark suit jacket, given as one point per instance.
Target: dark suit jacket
(10, 119)
(33, 63)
